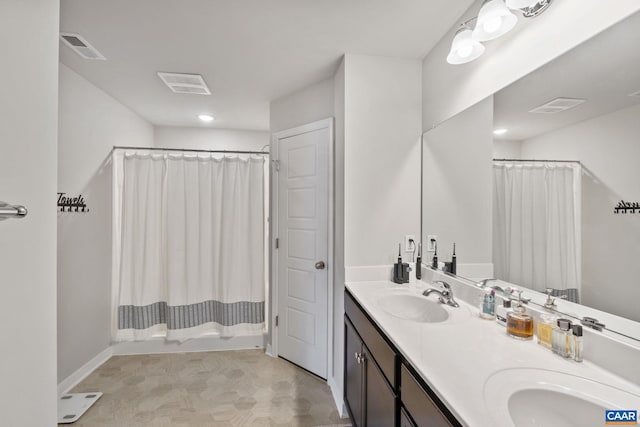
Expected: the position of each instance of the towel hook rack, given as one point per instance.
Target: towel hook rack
(11, 211)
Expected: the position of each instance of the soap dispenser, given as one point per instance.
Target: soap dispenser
(519, 323)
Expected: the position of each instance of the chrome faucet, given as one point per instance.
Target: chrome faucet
(446, 295)
(483, 283)
(506, 292)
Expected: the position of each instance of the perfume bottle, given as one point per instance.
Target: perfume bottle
(561, 338)
(544, 329)
(502, 311)
(488, 306)
(519, 323)
(576, 343)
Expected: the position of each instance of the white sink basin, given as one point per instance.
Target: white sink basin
(539, 397)
(413, 307)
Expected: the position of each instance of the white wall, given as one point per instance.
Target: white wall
(28, 143)
(381, 157)
(338, 237)
(90, 124)
(609, 150)
(210, 138)
(450, 89)
(507, 149)
(457, 186)
(313, 103)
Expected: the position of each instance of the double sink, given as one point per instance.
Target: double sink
(527, 396)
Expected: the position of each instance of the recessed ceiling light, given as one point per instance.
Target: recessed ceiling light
(500, 131)
(207, 118)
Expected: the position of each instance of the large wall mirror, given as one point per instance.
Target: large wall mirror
(539, 184)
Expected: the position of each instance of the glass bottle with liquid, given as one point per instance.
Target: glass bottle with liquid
(519, 323)
(561, 338)
(544, 329)
(576, 343)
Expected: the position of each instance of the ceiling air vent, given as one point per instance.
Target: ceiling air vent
(81, 46)
(558, 105)
(185, 83)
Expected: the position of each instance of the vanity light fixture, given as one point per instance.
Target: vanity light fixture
(500, 131)
(464, 48)
(207, 118)
(521, 4)
(494, 20)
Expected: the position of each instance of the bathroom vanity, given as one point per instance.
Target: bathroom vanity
(412, 361)
(375, 375)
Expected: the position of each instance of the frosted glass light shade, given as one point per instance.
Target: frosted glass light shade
(494, 20)
(521, 4)
(464, 48)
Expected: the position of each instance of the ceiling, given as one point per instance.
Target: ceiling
(603, 70)
(249, 51)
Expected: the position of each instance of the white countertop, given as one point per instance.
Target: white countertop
(457, 358)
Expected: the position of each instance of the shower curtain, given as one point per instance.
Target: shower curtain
(191, 246)
(536, 225)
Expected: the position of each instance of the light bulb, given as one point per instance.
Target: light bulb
(492, 25)
(465, 51)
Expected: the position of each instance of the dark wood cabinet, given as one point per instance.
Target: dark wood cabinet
(380, 390)
(369, 398)
(354, 375)
(418, 404)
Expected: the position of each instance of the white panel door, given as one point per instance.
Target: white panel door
(303, 233)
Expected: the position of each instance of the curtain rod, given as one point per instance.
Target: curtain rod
(191, 150)
(534, 160)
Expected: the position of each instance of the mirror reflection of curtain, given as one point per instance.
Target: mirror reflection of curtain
(536, 225)
(192, 247)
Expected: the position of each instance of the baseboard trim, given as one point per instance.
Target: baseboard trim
(336, 392)
(212, 343)
(85, 370)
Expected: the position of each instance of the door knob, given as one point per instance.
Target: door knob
(320, 265)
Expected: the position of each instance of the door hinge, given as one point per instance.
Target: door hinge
(277, 243)
(277, 317)
(276, 165)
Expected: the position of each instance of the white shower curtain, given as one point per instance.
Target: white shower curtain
(536, 225)
(191, 240)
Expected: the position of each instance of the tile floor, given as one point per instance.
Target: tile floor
(226, 388)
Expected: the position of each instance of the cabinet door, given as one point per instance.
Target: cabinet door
(353, 374)
(405, 421)
(380, 401)
(416, 400)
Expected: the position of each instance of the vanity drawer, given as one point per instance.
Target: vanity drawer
(378, 347)
(418, 403)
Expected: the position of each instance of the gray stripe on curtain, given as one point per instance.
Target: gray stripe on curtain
(188, 316)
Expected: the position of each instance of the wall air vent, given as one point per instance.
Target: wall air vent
(185, 83)
(81, 46)
(558, 105)
(635, 94)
